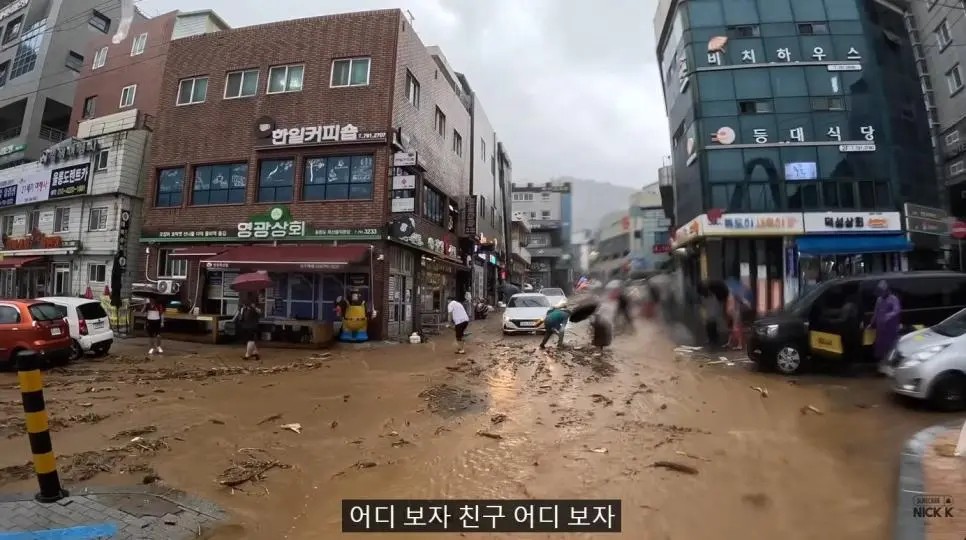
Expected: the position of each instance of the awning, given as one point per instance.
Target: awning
(17, 262)
(195, 251)
(844, 244)
(289, 257)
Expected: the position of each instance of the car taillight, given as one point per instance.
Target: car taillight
(82, 326)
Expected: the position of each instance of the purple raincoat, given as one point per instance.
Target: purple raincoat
(885, 320)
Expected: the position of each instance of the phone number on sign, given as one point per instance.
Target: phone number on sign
(481, 515)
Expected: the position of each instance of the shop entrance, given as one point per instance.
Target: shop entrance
(815, 269)
(758, 264)
(400, 292)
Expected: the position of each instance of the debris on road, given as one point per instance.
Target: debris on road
(296, 427)
(599, 450)
(692, 456)
(135, 432)
(498, 418)
(675, 466)
(760, 390)
(600, 398)
(272, 418)
(334, 424)
(812, 408)
(251, 470)
(365, 464)
(489, 435)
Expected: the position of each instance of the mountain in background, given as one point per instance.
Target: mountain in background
(592, 200)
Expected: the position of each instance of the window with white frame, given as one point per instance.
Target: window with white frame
(350, 72)
(193, 90)
(62, 220)
(239, 84)
(98, 219)
(97, 273)
(440, 122)
(282, 79)
(33, 223)
(100, 58)
(412, 89)
(545, 196)
(127, 96)
(545, 214)
(7, 228)
(139, 44)
(953, 136)
(943, 39)
(170, 267)
(457, 143)
(100, 160)
(954, 79)
(956, 167)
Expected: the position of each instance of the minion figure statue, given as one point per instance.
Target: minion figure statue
(355, 320)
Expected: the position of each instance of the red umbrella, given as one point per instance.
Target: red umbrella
(252, 281)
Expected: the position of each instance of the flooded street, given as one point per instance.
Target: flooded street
(813, 457)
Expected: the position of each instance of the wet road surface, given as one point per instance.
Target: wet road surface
(816, 458)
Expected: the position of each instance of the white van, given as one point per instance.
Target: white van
(90, 326)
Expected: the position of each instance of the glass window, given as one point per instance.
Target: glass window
(741, 12)
(727, 197)
(830, 194)
(883, 196)
(170, 187)
(795, 128)
(433, 204)
(139, 44)
(808, 10)
(220, 184)
(241, 84)
(788, 81)
(193, 90)
(127, 96)
(792, 105)
(276, 180)
(832, 163)
(798, 154)
(338, 178)
(772, 11)
(715, 85)
(757, 128)
(752, 84)
(718, 108)
(285, 79)
(866, 195)
(847, 195)
(818, 48)
(350, 72)
(783, 49)
(725, 165)
(802, 196)
(822, 82)
(838, 10)
(761, 165)
(765, 197)
(705, 13)
(27, 50)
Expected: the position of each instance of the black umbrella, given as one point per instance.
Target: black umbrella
(117, 273)
(583, 311)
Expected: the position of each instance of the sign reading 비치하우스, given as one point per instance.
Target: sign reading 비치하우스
(34, 182)
(276, 224)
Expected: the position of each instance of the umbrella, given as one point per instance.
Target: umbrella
(252, 282)
(583, 311)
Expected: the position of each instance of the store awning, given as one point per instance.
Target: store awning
(289, 258)
(17, 262)
(195, 251)
(844, 244)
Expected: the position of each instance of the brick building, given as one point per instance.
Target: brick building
(301, 148)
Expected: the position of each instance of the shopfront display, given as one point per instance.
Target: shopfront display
(400, 291)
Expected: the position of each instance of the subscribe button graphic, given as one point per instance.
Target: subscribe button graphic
(932, 506)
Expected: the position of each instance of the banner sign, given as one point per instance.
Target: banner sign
(34, 182)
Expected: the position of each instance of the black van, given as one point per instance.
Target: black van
(803, 330)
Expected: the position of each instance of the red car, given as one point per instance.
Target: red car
(36, 326)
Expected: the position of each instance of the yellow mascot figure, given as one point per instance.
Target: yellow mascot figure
(355, 320)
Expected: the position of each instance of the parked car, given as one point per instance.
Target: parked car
(90, 325)
(930, 364)
(33, 325)
(525, 313)
(554, 294)
(804, 330)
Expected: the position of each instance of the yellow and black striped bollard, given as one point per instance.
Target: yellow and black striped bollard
(38, 428)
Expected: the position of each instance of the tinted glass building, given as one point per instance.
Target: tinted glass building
(798, 132)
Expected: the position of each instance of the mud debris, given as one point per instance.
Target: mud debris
(758, 500)
(675, 466)
(600, 398)
(444, 399)
(489, 435)
(268, 419)
(257, 462)
(498, 419)
(135, 432)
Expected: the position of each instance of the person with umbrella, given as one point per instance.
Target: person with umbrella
(246, 321)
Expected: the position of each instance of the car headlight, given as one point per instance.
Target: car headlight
(506, 319)
(919, 357)
(771, 330)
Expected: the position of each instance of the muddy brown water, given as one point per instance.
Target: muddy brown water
(405, 422)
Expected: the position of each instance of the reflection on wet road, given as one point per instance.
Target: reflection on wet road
(815, 458)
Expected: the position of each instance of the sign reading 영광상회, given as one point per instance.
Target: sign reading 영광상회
(275, 225)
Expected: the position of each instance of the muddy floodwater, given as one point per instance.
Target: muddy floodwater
(811, 457)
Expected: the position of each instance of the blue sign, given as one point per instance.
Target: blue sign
(8, 196)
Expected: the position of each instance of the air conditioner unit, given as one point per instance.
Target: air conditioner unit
(167, 286)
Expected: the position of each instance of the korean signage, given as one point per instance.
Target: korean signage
(753, 224)
(276, 224)
(333, 133)
(660, 248)
(785, 55)
(404, 181)
(926, 220)
(405, 159)
(404, 231)
(38, 240)
(69, 150)
(865, 141)
(33, 182)
(12, 149)
(469, 217)
(841, 222)
(405, 204)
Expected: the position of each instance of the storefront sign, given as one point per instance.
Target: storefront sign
(405, 159)
(660, 248)
(68, 150)
(34, 182)
(725, 135)
(926, 220)
(469, 217)
(333, 133)
(688, 232)
(407, 204)
(404, 181)
(717, 56)
(38, 240)
(277, 223)
(754, 224)
(221, 235)
(404, 230)
(12, 149)
(833, 222)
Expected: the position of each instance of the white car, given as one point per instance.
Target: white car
(525, 313)
(90, 326)
(554, 295)
(930, 364)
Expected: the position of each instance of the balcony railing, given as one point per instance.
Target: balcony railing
(8, 134)
(53, 135)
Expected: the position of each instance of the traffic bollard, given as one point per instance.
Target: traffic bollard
(38, 428)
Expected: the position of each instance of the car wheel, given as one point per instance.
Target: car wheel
(103, 350)
(948, 392)
(789, 360)
(76, 352)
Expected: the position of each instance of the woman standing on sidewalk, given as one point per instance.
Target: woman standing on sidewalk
(153, 324)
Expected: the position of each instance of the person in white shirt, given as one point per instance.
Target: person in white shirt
(155, 320)
(457, 314)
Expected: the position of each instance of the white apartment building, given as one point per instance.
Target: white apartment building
(68, 221)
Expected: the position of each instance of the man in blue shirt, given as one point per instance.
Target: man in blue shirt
(555, 323)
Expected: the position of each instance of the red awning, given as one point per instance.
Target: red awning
(195, 251)
(289, 257)
(17, 262)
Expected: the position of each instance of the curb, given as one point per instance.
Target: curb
(911, 482)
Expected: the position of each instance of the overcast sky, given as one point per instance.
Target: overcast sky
(570, 86)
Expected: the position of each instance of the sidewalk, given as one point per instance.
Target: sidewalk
(119, 512)
(931, 502)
